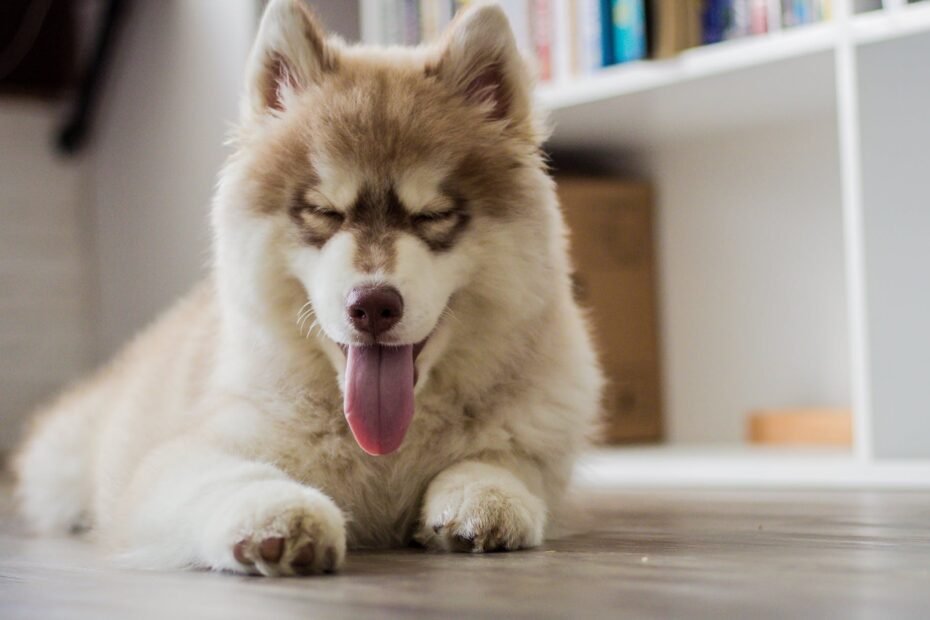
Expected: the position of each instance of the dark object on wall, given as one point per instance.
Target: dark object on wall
(75, 130)
(38, 47)
(39, 58)
(613, 252)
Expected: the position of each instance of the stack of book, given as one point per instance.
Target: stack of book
(576, 37)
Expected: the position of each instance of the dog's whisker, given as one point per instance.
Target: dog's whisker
(447, 312)
(303, 316)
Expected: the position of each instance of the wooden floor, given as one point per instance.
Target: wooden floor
(641, 555)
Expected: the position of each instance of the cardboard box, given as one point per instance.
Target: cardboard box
(613, 251)
(801, 427)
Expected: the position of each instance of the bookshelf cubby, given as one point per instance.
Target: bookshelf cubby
(791, 175)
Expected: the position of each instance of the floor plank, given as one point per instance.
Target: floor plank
(636, 554)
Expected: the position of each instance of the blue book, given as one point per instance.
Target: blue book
(607, 33)
(629, 30)
(715, 20)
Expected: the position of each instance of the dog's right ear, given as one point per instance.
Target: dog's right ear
(289, 55)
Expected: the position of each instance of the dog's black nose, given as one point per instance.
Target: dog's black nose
(375, 309)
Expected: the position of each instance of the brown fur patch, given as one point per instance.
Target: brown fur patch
(378, 216)
(375, 219)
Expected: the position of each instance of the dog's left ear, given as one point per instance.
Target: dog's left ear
(480, 60)
(290, 54)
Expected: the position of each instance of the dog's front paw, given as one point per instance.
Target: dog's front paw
(300, 532)
(466, 513)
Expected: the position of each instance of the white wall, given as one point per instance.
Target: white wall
(44, 276)
(752, 282)
(171, 97)
(158, 147)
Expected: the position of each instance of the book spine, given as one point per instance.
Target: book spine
(758, 17)
(692, 12)
(738, 21)
(774, 15)
(429, 20)
(411, 23)
(629, 30)
(607, 32)
(667, 26)
(798, 12)
(802, 11)
(393, 22)
(820, 10)
(574, 42)
(716, 14)
(541, 25)
(787, 13)
(590, 54)
(562, 39)
(370, 17)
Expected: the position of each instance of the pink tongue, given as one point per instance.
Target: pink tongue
(379, 396)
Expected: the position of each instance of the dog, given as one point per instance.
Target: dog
(387, 350)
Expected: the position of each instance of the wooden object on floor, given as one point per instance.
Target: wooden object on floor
(813, 427)
(613, 253)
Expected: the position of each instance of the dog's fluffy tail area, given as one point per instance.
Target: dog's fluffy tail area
(54, 469)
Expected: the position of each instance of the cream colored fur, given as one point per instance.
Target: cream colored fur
(222, 423)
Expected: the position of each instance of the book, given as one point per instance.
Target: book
(541, 28)
(758, 17)
(435, 15)
(410, 22)
(563, 40)
(715, 20)
(391, 19)
(674, 26)
(773, 15)
(589, 49)
(738, 20)
(607, 32)
(629, 30)
(799, 12)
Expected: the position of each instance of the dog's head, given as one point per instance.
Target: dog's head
(383, 182)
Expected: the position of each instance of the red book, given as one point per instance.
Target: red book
(541, 26)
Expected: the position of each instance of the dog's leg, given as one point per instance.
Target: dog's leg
(190, 504)
(477, 506)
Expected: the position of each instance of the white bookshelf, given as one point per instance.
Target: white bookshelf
(691, 65)
(834, 115)
(793, 214)
(726, 465)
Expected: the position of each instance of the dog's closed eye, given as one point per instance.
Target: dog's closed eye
(321, 211)
(317, 223)
(429, 217)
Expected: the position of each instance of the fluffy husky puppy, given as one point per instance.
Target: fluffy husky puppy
(387, 349)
